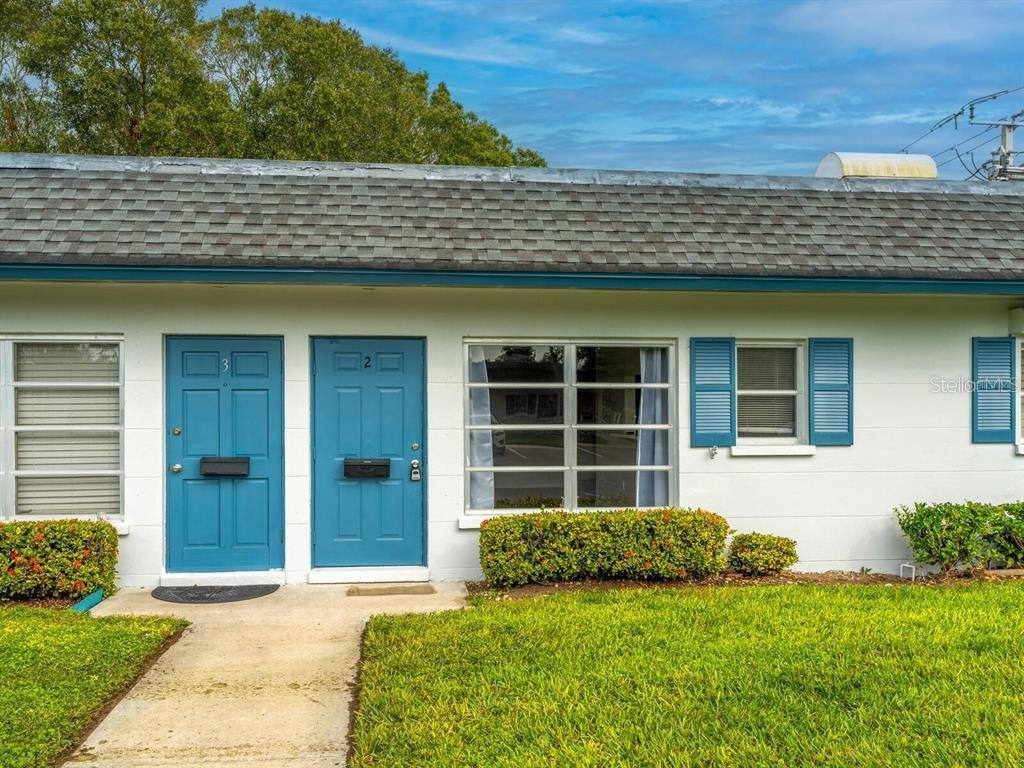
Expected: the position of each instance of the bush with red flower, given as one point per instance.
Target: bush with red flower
(56, 558)
(761, 554)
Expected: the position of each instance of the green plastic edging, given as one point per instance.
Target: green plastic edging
(88, 602)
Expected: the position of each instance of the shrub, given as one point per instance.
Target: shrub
(56, 558)
(760, 554)
(948, 534)
(1007, 538)
(622, 544)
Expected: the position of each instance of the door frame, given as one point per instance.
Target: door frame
(425, 463)
(277, 548)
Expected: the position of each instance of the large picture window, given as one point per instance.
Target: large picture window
(60, 427)
(575, 425)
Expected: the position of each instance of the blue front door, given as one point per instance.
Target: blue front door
(368, 405)
(224, 401)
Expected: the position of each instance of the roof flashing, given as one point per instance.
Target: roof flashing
(494, 175)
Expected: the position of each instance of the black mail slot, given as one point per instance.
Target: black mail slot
(367, 467)
(224, 466)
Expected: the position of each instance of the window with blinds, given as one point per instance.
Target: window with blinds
(769, 391)
(62, 418)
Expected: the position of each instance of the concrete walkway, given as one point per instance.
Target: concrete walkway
(262, 682)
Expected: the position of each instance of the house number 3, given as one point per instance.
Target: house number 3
(224, 362)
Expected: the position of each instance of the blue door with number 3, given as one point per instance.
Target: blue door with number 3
(368, 408)
(224, 401)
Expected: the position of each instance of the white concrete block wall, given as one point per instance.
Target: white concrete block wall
(910, 442)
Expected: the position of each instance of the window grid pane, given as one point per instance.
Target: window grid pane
(68, 495)
(766, 368)
(65, 407)
(66, 362)
(627, 398)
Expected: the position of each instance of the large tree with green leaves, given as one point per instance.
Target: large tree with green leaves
(151, 77)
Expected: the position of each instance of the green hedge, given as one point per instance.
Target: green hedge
(1007, 536)
(972, 534)
(761, 554)
(947, 534)
(622, 544)
(57, 558)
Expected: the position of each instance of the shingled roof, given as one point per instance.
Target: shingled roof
(66, 210)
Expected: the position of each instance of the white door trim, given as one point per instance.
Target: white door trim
(222, 579)
(369, 574)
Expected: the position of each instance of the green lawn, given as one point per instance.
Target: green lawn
(783, 676)
(58, 669)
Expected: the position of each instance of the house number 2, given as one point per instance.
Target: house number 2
(366, 362)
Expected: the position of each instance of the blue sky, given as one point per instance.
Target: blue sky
(710, 86)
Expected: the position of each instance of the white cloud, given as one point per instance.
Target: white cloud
(488, 50)
(903, 25)
(577, 34)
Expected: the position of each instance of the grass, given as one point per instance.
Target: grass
(59, 669)
(722, 676)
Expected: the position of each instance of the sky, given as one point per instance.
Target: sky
(709, 85)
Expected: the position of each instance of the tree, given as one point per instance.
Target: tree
(148, 77)
(312, 90)
(124, 77)
(454, 136)
(25, 118)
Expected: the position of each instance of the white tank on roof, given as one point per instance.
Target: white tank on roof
(872, 165)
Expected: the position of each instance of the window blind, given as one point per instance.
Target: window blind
(67, 451)
(761, 372)
(71, 407)
(68, 495)
(65, 455)
(66, 362)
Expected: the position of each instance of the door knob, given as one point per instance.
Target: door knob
(176, 468)
(414, 469)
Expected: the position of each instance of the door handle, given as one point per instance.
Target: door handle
(414, 470)
(176, 468)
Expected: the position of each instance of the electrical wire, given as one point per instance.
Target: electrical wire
(960, 113)
(961, 143)
(972, 149)
(977, 170)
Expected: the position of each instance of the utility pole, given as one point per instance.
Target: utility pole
(1002, 167)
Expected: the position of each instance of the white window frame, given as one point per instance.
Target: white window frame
(1018, 429)
(802, 428)
(569, 427)
(8, 430)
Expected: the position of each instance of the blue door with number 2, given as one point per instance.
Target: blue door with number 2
(368, 405)
(224, 401)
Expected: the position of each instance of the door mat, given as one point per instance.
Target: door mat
(372, 590)
(201, 595)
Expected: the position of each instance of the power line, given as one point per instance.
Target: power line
(961, 143)
(977, 170)
(966, 108)
(972, 149)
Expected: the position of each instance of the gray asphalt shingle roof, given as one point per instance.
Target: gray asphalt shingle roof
(132, 212)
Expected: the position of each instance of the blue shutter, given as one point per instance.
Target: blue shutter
(993, 399)
(831, 391)
(712, 392)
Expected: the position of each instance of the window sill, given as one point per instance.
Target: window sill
(471, 522)
(1020, 449)
(773, 450)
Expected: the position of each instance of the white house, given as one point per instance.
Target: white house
(303, 371)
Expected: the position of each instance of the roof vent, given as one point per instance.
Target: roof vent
(870, 165)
